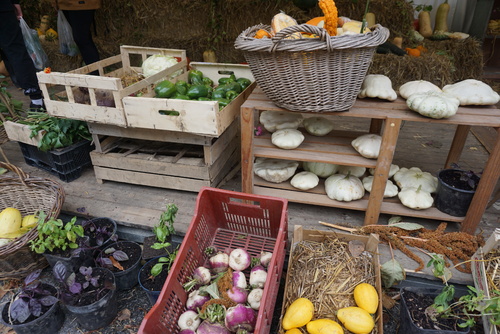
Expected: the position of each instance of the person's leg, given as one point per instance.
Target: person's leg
(20, 63)
(80, 22)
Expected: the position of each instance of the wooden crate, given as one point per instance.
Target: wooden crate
(21, 133)
(164, 159)
(197, 117)
(59, 89)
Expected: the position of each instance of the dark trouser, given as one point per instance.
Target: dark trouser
(16, 58)
(80, 22)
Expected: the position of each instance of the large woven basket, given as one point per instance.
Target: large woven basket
(310, 74)
(29, 195)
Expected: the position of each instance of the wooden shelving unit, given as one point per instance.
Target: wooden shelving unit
(386, 118)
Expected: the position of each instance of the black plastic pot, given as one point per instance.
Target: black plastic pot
(103, 221)
(144, 274)
(453, 200)
(407, 325)
(100, 313)
(50, 322)
(72, 263)
(126, 279)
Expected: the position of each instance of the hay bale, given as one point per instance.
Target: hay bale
(59, 62)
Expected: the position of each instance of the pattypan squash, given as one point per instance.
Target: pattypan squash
(277, 120)
(287, 139)
(417, 86)
(274, 170)
(368, 145)
(391, 189)
(433, 104)
(345, 188)
(318, 126)
(415, 198)
(304, 180)
(392, 170)
(322, 169)
(377, 86)
(415, 177)
(353, 170)
(472, 92)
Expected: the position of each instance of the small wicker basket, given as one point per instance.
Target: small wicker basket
(28, 195)
(310, 74)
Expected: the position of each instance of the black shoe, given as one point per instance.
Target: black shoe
(37, 107)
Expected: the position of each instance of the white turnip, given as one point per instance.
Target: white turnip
(254, 298)
(239, 279)
(189, 320)
(265, 258)
(219, 262)
(196, 299)
(240, 318)
(239, 259)
(201, 276)
(258, 277)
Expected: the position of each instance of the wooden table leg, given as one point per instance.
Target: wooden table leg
(384, 161)
(376, 125)
(489, 179)
(457, 145)
(247, 128)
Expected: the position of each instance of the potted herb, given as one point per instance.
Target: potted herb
(123, 258)
(427, 310)
(101, 231)
(455, 190)
(154, 273)
(89, 294)
(64, 242)
(160, 244)
(35, 308)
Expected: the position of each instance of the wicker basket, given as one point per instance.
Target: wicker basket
(311, 74)
(28, 195)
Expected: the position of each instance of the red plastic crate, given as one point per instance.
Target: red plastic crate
(231, 220)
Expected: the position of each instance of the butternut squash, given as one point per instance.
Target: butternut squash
(424, 21)
(366, 297)
(441, 23)
(298, 314)
(356, 320)
(324, 326)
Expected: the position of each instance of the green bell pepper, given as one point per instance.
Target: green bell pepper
(181, 97)
(223, 103)
(218, 94)
(195, 77)
(204, 99)
(181, 87)
(207, 81)
(244, 83)
(231, 94)
(165, 89)
(197, 91)
(225, 80)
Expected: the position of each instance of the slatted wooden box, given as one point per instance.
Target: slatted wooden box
(79, 95)
(196, 117)
(164, 159)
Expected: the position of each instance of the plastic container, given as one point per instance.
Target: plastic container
(226, 219)
(451, 200)
(66, 163)
(126, 279)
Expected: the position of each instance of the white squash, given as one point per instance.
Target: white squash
(415, 177)
(304, 180)
(417, 86)
(472, 92)
(277, 120)
(377, 86)
(274, 170)
(322, 169)
(391, 189)
(287, 139)
(344, 188)
(318, 126)
(368, 145)
(392, 170)
(353, 170)
(433, 104)
(415, 198)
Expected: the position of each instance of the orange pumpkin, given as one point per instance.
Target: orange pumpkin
(317, 21)
(262, 33)
(413, 52)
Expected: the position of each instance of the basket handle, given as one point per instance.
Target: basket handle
(22, 175)
(298, 28)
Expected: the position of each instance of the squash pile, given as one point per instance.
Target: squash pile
(357, 319)
(13, 225)
(331, 22)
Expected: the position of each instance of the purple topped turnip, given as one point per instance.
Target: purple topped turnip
(196, 299)
(241, 319)
(239, 259)
(207, 327)
(239, 279)
(254, 298)
(187, 331)
(201, 276)
(265, 258)
(258, 277)
(219, 262)
(237, 295)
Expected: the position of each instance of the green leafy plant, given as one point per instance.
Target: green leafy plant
(468, 307)
(54, 234)
(165, 227)
(57, 132)
(164, 262)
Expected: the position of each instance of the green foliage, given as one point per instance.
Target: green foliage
(54, 234)
(165, 227)
(57, 132)
(163, 262)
